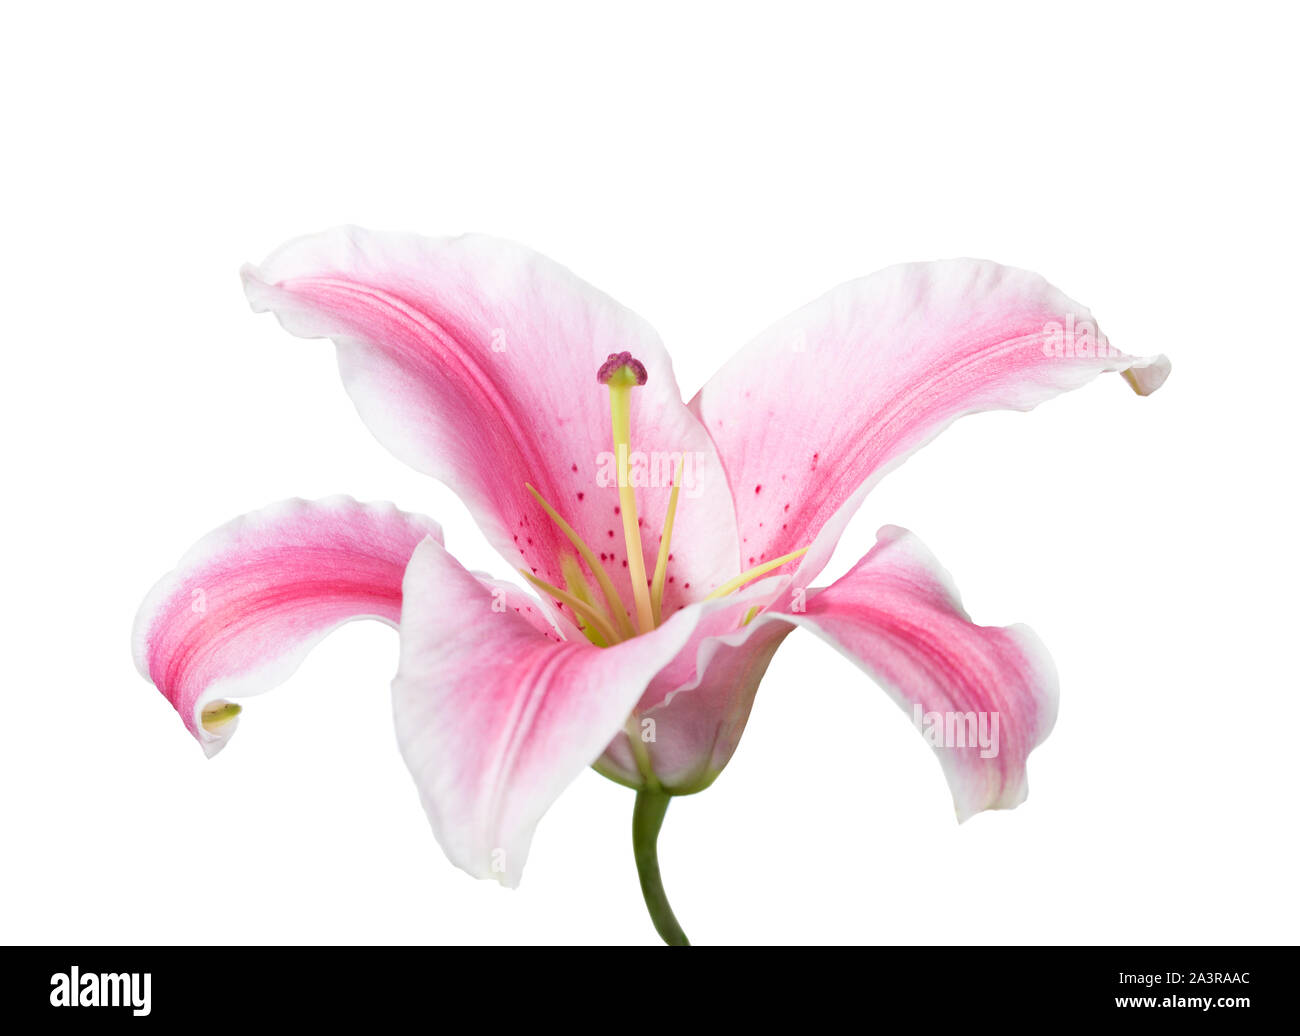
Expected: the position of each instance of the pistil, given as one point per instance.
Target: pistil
(621, 372)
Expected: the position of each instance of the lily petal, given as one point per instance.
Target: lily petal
(814, 411)
(248, 601)
(898, 616)
(696, 708)
(495, 716)
(474, 360)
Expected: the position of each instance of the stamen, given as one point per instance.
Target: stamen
(754, 573)
(577, 585)
(621, 372)
(661, 562)
(593, 636)
(575, 582)
(588, 613)
(612, 598)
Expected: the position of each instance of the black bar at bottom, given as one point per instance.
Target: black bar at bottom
(599, 988)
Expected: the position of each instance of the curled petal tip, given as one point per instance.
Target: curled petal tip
(218, 714)
(1147, 378)
(247, 603)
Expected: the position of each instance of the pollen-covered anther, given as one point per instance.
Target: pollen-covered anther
(621, 369)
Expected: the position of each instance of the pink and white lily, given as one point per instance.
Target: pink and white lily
(674, 544)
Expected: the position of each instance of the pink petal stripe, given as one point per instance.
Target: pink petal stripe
(898, 616)
(495, 717)
(474, 360)
(248, 601)
(814, 411)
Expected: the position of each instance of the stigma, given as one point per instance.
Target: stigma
(621, 369)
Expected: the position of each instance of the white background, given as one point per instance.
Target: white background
(713, 167)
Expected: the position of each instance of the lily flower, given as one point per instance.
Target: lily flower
(673, 545)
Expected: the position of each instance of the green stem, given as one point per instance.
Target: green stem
(647, 819)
